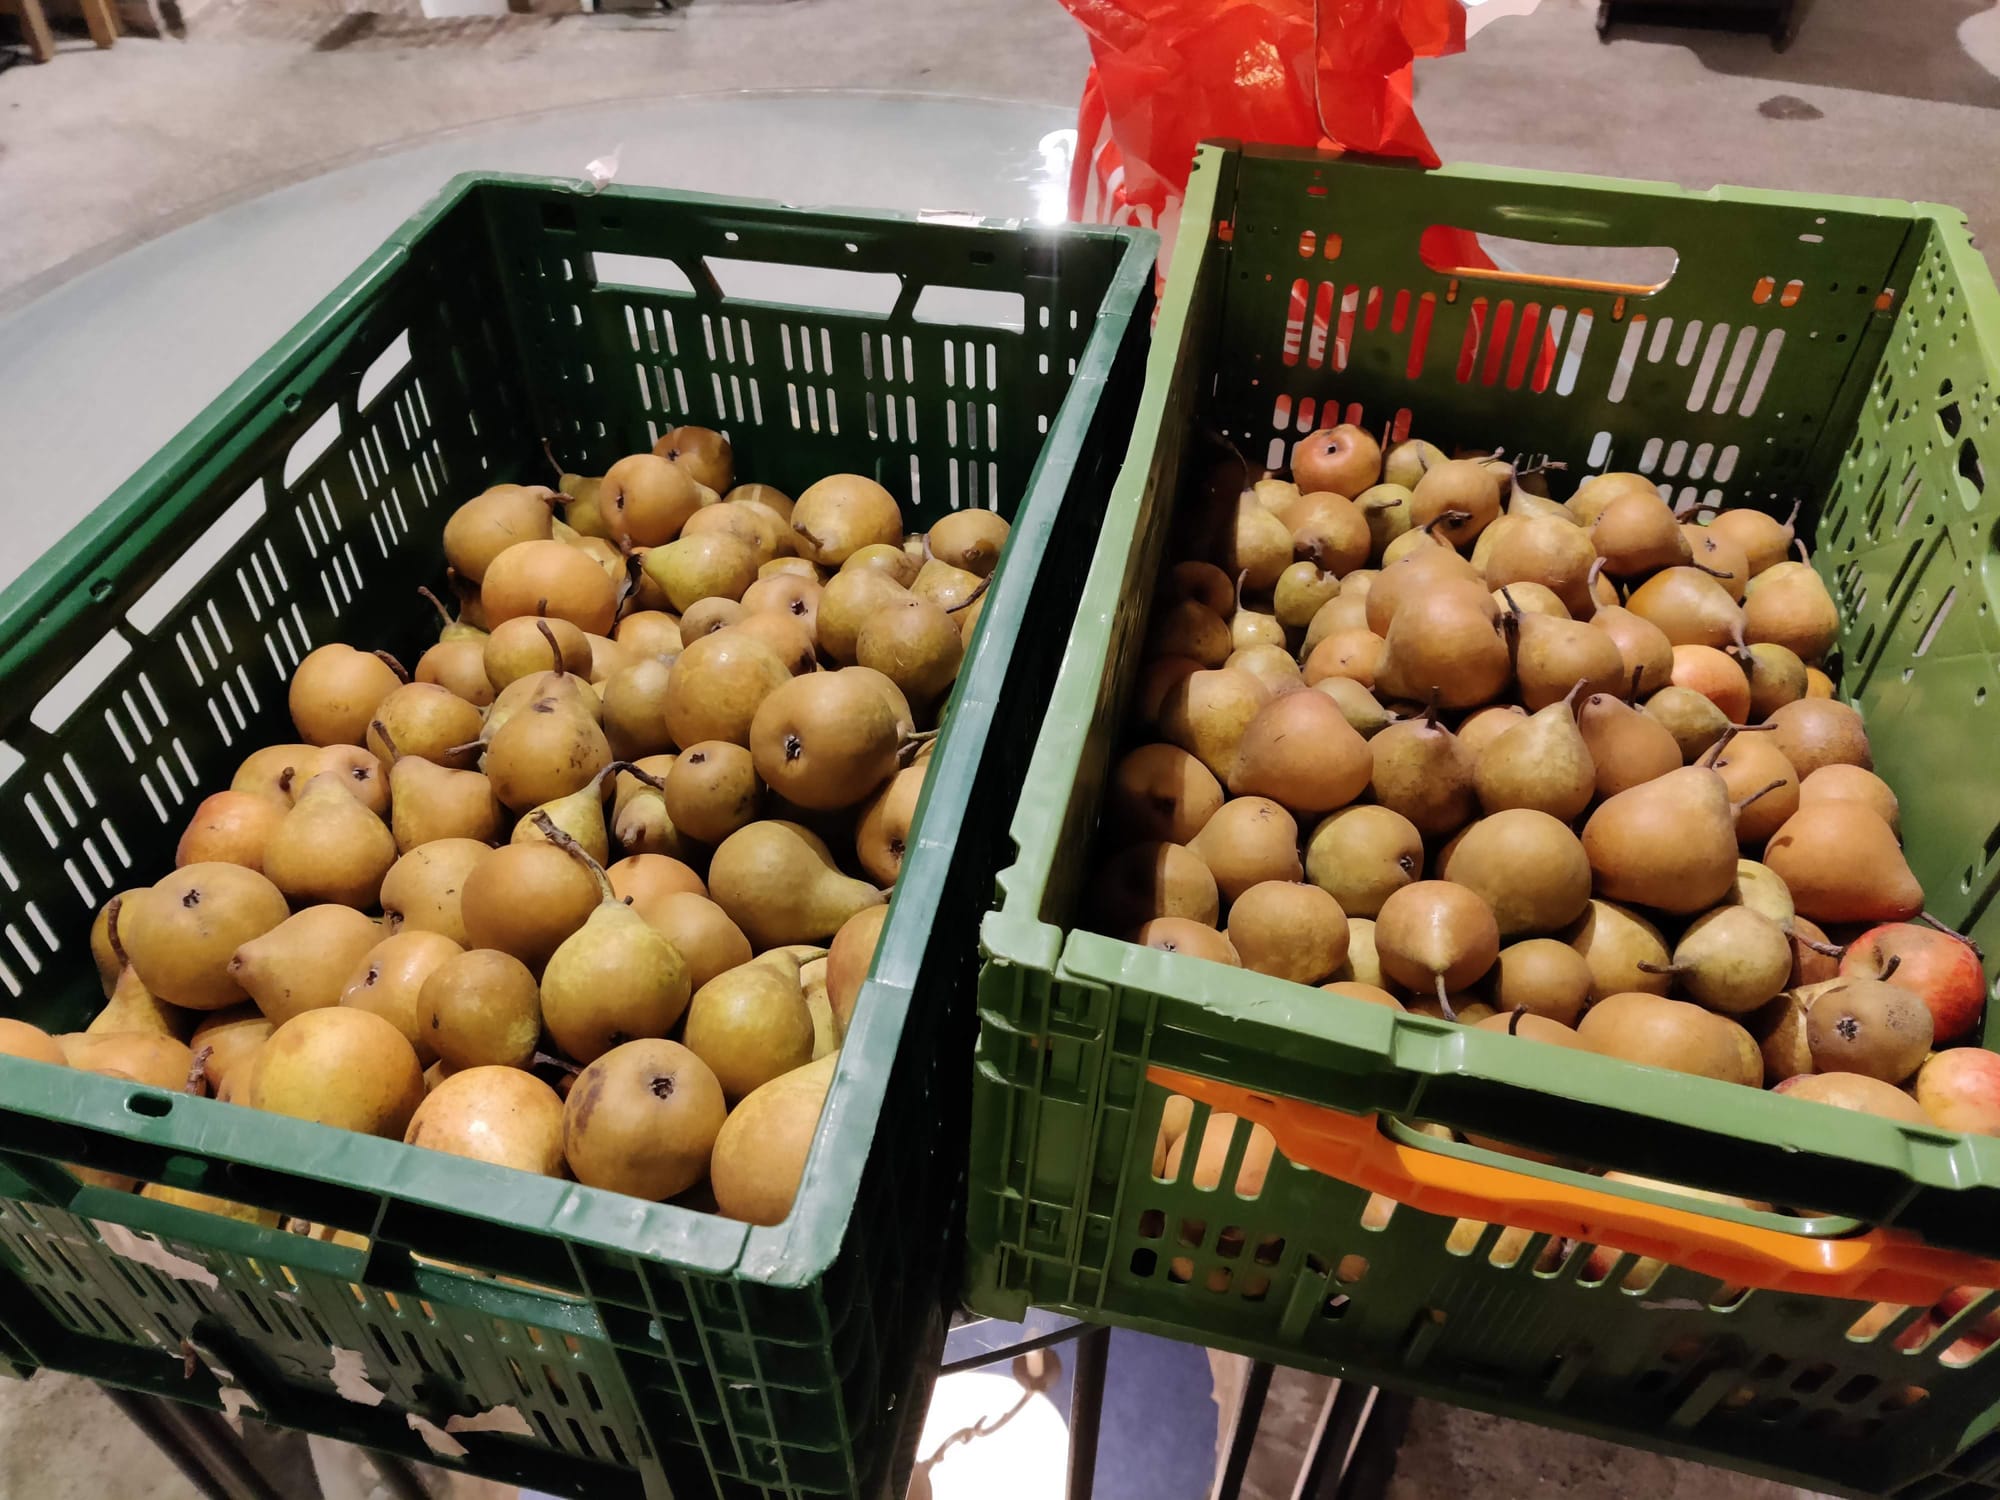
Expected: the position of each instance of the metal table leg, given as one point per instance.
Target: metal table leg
(1353, 1452)
(1243, 1431)
(1086, 1410)
(199, 1444)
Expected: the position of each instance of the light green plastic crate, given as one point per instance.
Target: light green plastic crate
(638, 1348)
(1841, 351)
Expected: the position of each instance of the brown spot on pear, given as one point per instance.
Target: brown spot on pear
(1871, 1027)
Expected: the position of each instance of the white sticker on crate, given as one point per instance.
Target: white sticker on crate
(150, 1252)
(350, 1377)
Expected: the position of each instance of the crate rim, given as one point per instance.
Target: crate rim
(57, 594)
(1420, 1050)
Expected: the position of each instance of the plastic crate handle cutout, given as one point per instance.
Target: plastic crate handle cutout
(1881, 1265)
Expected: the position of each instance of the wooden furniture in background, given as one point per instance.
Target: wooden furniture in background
(98, 17)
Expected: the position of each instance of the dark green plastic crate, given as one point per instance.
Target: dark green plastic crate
(1874, 409)
(657, 1350)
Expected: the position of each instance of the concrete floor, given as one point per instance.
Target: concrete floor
(99, 151)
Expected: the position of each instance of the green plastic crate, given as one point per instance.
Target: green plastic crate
(1873, 408)
(637, 1348)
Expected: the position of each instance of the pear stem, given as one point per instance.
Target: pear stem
(550, 1060)
(1702, 567)
(389, 740)
(1444, 999)
(111, 931)
(1792, 520)
(402, 672)
(555, 650)
(1693, 508)
(647, 777)
(1895, 962)
(576, 851)
(1637, 673)
(1381, 505)
(1514, 1020)
(972, 598)
(906, 753)
(1540, 466)
(1512, 608)
(1799, 543)
(437, 604)
(549, 452)
(1241, 577)
(1826, 950)
(285, 778)
(1770, 787)
(1569, 698)
(1447, 518)
(1645, 967)
(1431, 711)
(198, 1071)
(1923, 916)
(470, 746)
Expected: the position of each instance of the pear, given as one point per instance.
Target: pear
(1845, 783)
(1645, 1028)
(1526, 865)
(1765, 540)
(498, 1115)
(1300, 752)
(1553, 657)
(779, 884)
(1553, 553)
(335, 690)
(1204, 583)
(1257, 546)
(1694, 722)
(1718, 557)
(1816, 732)
(422, 891)
(1637, 534)
(303, 963)
(580, 815)
(716, 686)
(1647, 654)
(1346, 653)
(1250, 839)
(1541, 977)
(1271, 665)
(755, 527)
(1780, 1029)
(1776, 675)
(842, 513)
(1841, 863)
(557, 579)
(846, 602)
(346, 1068)
(1254, 627)
(642, 880)
(1481, 728)
(429, 802)
(915, 645)
(105, 949)
(1541, 763)
(389, 980)
(1627, 748)
(1760, 779)
(1689, 607)
(181, 934)
(1461, 494)
(330, 848)
(1414, 577)
(635, 708)
(1870, 1027)
(524, 899)
(1530, 599)
(134, 1008)
(157, 1061)
(614, 980)
(1363, 712)
(1187, 627)
(1152, 880)
(494, 520)
(640, 821)
(1330, 531)
(645, 499)
(1444, 645)
(1301, 592)
(848, 961)
(1759, 888)
(1492, 536)
(1349, 611)
(882, 832)
(1362, 855)
(560, 688)
(546, 751)
(704, 617)
(1788, 605)
(971, 539)
(1363, 965)
(701, 932)
(480, 1008)
(274, 770)
(652, 632)
(1596, 493)
(225, 1042)
(711, 565)
(712, 790)
(1623, 951)
(1420, 770)
(1207, 714)
(517, 648)
(1287, 930)
(825, 741)
(1669, 844)
(232, 826)
(760, 1152)
(751, 1024)
(1732, 960)
(1407, 462)
(1435, 936)
(643, 1120)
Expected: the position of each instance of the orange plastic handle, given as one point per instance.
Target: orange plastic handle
(1882, 1265)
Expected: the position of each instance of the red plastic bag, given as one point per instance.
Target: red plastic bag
(1168, 74)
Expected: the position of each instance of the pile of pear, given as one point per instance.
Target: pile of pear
(593, 891)
(1409, 730)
